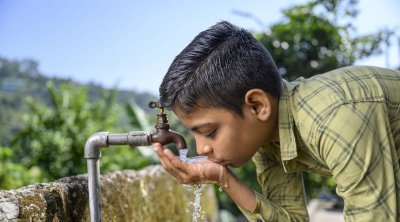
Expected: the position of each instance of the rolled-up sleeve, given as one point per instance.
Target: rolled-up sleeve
(282, 197)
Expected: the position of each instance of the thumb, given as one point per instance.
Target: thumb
(158, 147)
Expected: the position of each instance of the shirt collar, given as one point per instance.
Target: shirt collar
(287, 139)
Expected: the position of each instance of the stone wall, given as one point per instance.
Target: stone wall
(150, 194)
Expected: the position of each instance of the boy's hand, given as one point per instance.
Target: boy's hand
(207, 172)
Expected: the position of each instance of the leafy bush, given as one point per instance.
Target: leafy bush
(14, 174)
(53, 139)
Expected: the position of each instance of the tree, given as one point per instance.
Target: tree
(318, 37)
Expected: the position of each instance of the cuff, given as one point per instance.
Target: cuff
(264, 210)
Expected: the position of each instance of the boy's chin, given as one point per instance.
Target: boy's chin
(238, 164)
(235, 165)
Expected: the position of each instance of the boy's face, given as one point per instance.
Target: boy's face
(224, 136)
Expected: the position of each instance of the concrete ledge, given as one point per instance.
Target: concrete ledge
(150, 194)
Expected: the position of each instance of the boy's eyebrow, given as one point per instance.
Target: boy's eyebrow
(194, 128)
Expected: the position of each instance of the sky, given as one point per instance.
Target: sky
(129, 44)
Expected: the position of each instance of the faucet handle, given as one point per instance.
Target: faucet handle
(156, 104)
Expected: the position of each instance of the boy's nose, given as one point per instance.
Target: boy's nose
(203, 150)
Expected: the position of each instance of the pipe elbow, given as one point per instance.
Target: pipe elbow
(93, 145)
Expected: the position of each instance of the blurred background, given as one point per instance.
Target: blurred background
(69, 69)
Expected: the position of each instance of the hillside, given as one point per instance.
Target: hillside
(20, 79)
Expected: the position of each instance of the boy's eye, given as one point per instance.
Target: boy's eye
(212, 134)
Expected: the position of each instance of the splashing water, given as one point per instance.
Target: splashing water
(197, 188)
(196, 204)
(183, 154)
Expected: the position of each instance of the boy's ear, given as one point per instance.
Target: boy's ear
(258, 103)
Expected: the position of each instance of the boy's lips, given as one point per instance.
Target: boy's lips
(221, 162)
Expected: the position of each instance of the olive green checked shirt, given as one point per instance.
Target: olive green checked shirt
(344, 124)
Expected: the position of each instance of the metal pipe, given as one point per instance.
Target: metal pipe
(92, 155)
(94, 189)
(100, 140)
(132, 138)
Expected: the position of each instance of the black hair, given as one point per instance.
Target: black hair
(216, 70)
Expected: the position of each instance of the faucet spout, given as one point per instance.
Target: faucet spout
(164, 135)
(168, 136)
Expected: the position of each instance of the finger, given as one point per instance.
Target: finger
(185, 173)
(158, 148)
(179, 164)
(162, 162)
(170, 169)
(167, 165)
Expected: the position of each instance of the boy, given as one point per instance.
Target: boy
(225, 87)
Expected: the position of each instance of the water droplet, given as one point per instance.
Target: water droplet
(197, 190)
(187, 187)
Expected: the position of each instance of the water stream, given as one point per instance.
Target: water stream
(197, 189)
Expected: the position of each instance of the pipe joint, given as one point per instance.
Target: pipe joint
(93, 145)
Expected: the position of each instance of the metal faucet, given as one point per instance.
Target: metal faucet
(99, 140)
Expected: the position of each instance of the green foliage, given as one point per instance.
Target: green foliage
(122, 157)
(48, 130)
(13, 174)
(311, 40)
(15, 84)
(22, 78)
(137, 117)
(317, 184)
(54, 136)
